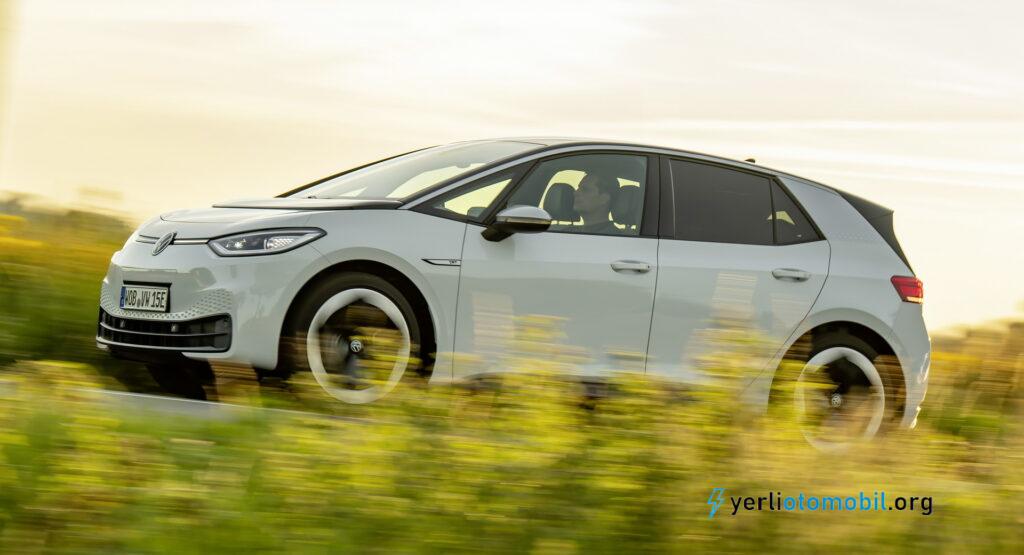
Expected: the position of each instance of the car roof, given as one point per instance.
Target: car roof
(559, 142)
(583, 141)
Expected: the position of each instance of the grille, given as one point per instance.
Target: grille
(216, 301)
(212, 333)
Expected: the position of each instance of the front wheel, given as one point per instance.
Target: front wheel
(357, 335)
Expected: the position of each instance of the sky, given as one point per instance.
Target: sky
(146, 106)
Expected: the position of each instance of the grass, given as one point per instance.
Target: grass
(516, 468)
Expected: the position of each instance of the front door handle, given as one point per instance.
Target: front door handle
(631, 266)
(790, 274)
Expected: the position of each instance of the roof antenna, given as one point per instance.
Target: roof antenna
(751, 160)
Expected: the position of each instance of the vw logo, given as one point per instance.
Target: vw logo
(356, 346)
(162, 243)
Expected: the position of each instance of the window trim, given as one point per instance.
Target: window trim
(649, 219)
(582, 146)
(668, 209)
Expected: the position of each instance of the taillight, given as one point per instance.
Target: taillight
(909, 288)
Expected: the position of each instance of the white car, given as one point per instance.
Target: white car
(425, 266)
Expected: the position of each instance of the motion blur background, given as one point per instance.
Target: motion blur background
(114, 111)
(142, 107)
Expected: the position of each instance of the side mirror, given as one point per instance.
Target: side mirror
(517, 219)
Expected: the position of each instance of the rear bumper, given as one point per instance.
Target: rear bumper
(913, 349)
(916, 381)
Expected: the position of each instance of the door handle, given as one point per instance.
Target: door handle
(790, 274)
(631, 266)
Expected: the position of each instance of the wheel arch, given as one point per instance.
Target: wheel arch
(878, 333)
(413, 291)
(856, 329)
(801, 347)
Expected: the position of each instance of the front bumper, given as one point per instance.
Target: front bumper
(210, 334)
(224, 308)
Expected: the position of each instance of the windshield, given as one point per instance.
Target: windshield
(406, 175)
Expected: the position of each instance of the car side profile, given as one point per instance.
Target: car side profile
(425, 266)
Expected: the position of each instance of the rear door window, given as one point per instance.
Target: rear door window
(720, 205)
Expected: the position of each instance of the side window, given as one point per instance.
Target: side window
(473, 201)
(791, 225)
(599, 194)
(720, 205)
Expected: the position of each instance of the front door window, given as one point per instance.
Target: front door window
(597, 194)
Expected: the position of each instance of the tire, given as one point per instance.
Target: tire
(183, 379)
(841, 390)
(357, 334)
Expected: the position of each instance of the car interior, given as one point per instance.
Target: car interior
(554, 185)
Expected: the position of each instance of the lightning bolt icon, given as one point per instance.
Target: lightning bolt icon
(715, 500)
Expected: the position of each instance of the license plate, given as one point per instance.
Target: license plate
(152, 298)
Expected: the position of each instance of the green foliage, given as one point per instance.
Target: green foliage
(51, 266)
(516, 467)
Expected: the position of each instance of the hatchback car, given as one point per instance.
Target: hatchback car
(425, 266)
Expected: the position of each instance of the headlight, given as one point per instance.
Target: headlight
(271, 241)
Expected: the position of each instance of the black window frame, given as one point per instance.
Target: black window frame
(649, 219)
(666, 229)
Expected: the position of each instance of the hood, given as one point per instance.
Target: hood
(246, 215)
(220, 215)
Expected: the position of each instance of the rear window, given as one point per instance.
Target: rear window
(791, 225)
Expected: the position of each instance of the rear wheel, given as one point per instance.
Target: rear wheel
(842, 391)
(357, 335)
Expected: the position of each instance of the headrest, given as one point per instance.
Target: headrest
(627, 205)
(559, 201)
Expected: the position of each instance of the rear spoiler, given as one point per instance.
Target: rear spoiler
(880, 218)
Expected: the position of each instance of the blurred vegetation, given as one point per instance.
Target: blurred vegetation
(51, 265)
(511, 465)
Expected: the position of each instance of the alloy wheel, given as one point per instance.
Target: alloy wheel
(358, 345)
(840, 399)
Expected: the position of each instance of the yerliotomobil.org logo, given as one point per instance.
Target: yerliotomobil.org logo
(715, 500)
(775, 501)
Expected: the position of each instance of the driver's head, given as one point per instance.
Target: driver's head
(594, 195)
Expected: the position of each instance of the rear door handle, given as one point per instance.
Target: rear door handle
(790, 274)
(631, 266)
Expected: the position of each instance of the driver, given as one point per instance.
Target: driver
(593, 201)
